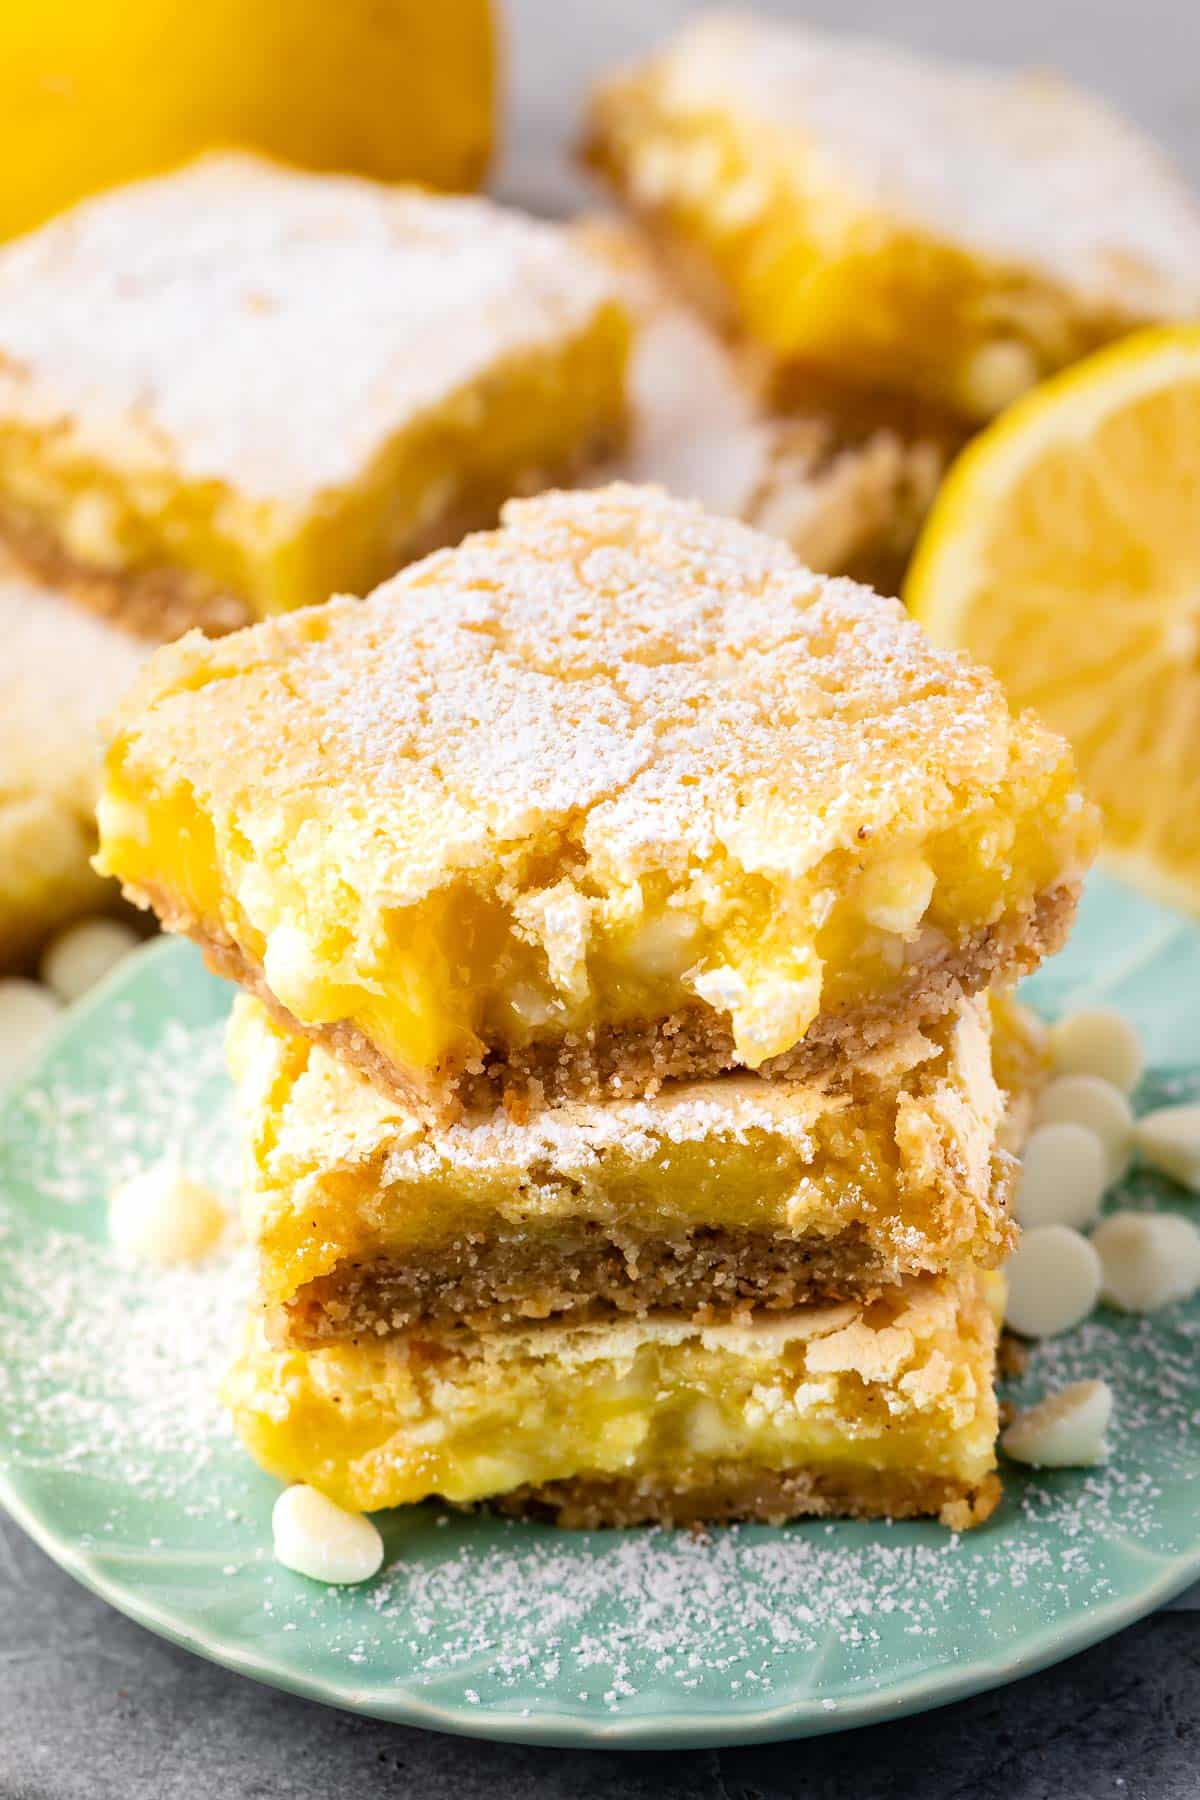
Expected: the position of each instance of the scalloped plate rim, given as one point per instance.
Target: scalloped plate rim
(664, 1731)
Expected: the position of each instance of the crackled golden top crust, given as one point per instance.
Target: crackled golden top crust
(615, 678)
(270, 329)
(1023, 168)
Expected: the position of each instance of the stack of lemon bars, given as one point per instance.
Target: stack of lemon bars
(617, 904)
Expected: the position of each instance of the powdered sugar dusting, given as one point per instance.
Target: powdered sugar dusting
(1025, 168)
(270, 329)
(616, 678)
(139, 1104)
(118, 1364)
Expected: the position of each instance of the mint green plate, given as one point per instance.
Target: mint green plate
(117, 1458)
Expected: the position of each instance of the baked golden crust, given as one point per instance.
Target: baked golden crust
(688, 1046)
(156, 604)
(618, 793)
(729, 1493)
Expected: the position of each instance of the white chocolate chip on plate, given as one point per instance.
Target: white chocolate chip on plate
(83, 954)
(1063, 1431)
(1053, 1281)
(319, 1539)
(162, 1216)
(1098, 1041)
(1169, 1140)
(1064, 1172)
(27, 1011)
(1091, 1101)
(1148, 1260)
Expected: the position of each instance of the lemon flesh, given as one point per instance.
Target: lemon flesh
(93, 94)
(1064, 550)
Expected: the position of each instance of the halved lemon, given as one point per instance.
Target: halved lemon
(1064, 550)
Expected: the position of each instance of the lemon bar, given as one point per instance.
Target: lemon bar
(955, 232)
(706, 1199)
(236, 389)
(886, 1409)
(61, 673)
(845, 477)
(619, 793)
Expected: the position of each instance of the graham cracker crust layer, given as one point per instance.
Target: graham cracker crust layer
(702, 1275)
(731, 1492)
(158, 604)
(694, 1043)
(162, 602)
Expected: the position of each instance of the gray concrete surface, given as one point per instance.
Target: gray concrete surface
(94, 1708)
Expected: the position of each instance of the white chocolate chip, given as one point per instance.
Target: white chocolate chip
(316, 1538)
(1053, 1281)
(162, 1216)
(896, 894)
(27, 1011)
(998, 374)
(84, 954)
(290, 969)
(768, 1016)
(1099, 1041)
(1169, 1140)
(1064, 1172)
(1063, 1431)
(1148, 1260)
(1090, 1101)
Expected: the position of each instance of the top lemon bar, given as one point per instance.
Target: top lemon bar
(621, 791)
(237, 388)
(952, 231)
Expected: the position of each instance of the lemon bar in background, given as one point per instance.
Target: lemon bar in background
(61, 673)
(878, 1410)
(237, 389)
(705, 1199)
(902, 221)
(618, 793)
(845, 477)
(92, 94)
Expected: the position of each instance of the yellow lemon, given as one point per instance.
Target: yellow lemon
(1064, 550)
(92, 94)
